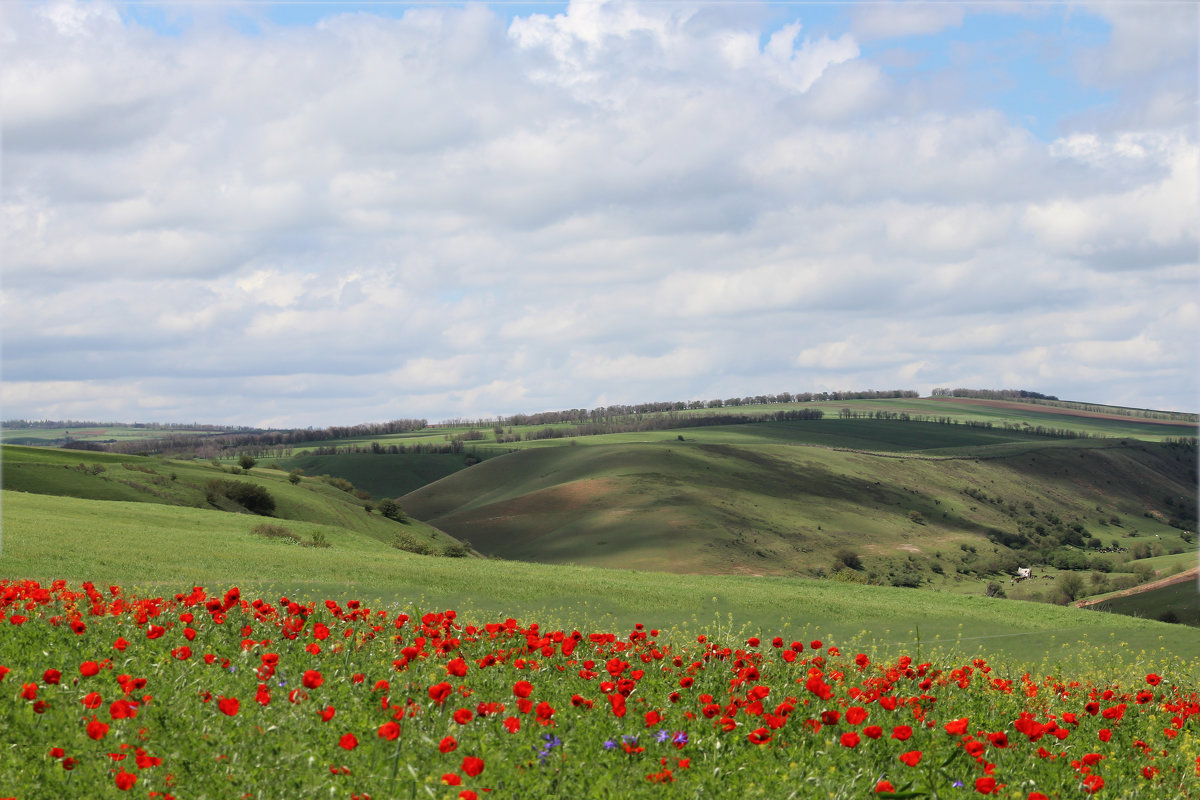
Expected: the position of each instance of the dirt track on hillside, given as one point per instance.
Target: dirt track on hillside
(1191, 574)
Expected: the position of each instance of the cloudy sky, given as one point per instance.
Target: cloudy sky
(321, 213)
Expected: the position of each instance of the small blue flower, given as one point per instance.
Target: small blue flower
(662, 736)
(610, 745)
(680, 737)
(957, 784)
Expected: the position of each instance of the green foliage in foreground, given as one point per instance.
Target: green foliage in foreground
(239, 696)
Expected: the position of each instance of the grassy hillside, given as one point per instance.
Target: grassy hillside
(143, 545)
(116, 478)
(779, 509)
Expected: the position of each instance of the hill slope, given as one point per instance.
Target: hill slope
(778, 509)
(122, 478)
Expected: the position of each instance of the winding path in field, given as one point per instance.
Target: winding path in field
(1192, 574)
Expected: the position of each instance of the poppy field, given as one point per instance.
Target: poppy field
(212, 694)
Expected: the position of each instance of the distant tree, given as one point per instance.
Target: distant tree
(1071, 585)
(995, 590)
(392, 510)
(246, 461)
(294, 477)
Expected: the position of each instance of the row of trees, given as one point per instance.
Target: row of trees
(992, 394)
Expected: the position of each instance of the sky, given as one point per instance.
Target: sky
(283, 215)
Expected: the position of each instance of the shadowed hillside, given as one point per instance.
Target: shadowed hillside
(777, 509)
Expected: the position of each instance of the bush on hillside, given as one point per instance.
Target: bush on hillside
(392, 510)
(249, 496)
(849, 558)
(408, 543)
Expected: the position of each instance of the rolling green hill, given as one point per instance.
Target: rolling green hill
(120, 478)
(736, 501)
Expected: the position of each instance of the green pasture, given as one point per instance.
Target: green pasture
(383, 474)
(120, 433)
(1180, 599)
(159, 547)
(831, 431)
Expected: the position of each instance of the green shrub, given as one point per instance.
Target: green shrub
(249, 496)
(318, 540)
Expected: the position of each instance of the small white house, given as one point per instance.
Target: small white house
(1024, 572)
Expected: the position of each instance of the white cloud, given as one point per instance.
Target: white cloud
(443, 214)
(898, 19)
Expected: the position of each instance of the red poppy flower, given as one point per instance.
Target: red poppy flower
(884, 786)
(228, 705)
(51, 676)
(911, 758)
(759, 736)
(467, 794)
(89, 668)
(348, 741)
(451, 779)
(512, 724)
(522, 688)
(126, 780)
(463, 716)
(472, 765)
(901, 733)
(447, 744)
(29, 691)
(986, 785)
(96, 729)
(1153, 680)
(1093, 784)
(457, 668)
(855, 715)
(312, 679)
(390, 731)
(872, 731)
(850, 739)
(327, 714)
(957, 727)
(439, 692)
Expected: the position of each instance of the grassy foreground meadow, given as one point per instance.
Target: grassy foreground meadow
(361, 671)
(212, 694)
